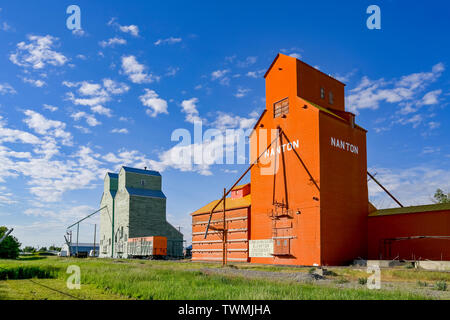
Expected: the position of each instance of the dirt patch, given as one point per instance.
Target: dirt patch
(257, 274)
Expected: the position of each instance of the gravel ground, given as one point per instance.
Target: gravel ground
(327, 280)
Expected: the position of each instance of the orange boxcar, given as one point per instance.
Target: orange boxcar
(147, 246)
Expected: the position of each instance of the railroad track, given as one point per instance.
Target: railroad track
(55, 290)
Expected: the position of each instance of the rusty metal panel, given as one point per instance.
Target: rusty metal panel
(281, 247)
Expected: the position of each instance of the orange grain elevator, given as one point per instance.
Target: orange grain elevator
(308, 203)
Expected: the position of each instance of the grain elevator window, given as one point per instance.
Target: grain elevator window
(322, 93)
(331, 98)
(281, 108)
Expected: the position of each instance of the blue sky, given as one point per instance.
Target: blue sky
(74, 105)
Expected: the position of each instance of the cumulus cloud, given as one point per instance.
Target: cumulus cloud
(112, 42)
(247, 62)
(230, 121)
(37, 53)
(95, 95)
(219, 74)
(170, 40)
(90, 119)
(136, 71)
(131, 29)
(50, 107)
(6, 88)
(43, 126)
(34, 82)
(151, 99)
(411, 186)
(256, 74)
(189, 107)
(241, 92)
(122, 130)
(370, 93)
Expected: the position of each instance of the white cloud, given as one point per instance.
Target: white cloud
(230, 121)
(36, 83)
(43, 126)
(135, 71)
(102, 110)
(170, 40)
(122, 130)
(5, 26)
(112, 42)
(6, 88)
(171, 71)
(247, 62)
(256, 74)
(37, 53)
(131, 29)
(115, 87)
(95, 95)
(219, 74)
(151, 99)
(90, 119)
(431, 97)
(50, 108)
(189, 107)
(433, 125)
(241, 92)
(82, 129)
(411, 186)
(370, 93)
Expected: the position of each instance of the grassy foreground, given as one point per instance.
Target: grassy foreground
(137, 279)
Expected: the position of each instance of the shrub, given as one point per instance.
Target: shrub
(10, 246)
(441, 285)
(422, 283)
(27, 272)
(362, 281)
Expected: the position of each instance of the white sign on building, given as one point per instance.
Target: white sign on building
(260, 248)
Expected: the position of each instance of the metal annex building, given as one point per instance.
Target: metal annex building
(307, 203)
(135, 207)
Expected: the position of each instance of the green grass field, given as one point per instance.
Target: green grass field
(45, 278)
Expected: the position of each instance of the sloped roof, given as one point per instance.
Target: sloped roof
(142, 171)
(146, 193)
(412, 209)
(113, 175)
(241, 186)
(237, 203)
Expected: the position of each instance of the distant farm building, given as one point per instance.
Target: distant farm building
(135, 207)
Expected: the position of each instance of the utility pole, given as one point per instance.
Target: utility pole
(95, 233)
(78, 232)
(224, 245)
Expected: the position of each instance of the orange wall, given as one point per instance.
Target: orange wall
(311, 80)
(331, 226)
(405, 225)
(211, 248)
(302, 125)
(344, 193)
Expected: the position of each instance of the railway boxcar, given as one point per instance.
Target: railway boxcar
(148, 247)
